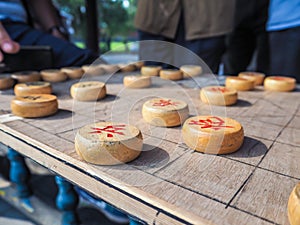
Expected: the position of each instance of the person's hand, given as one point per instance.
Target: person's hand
(7, 45)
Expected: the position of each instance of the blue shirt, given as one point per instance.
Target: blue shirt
(13, 10)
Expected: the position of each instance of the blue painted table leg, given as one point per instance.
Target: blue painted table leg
(19, 173)
(67, 201)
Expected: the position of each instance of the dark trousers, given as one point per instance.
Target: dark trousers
(248, 38)
(285, 52)
(179, 51)
(65, 53)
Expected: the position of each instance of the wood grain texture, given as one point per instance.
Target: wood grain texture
(169, 183)
(266, 195)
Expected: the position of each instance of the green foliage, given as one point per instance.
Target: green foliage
(115, 18)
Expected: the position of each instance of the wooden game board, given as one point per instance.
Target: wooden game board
(169, 183)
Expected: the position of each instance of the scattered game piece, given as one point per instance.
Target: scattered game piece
(257, 77)
(279, 83)
(213, 134)
(93, 70)
(218, 95)
(165, 112)
(110, 68)
(150, 70)
(191, 70)
(107, 143)
(26, 76)
(171, 74)
(139, 64)
(127, 67)
(33, 106)
(137, 81)
(294, 206)
(29, 88)
(73, 72)
(239, 84)
(53, 75)
(88, 91)
(6, 82)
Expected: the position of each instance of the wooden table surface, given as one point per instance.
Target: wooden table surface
(169, 183)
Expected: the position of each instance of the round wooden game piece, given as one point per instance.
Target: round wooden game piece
(107, 143)
(73, 72)
(137, 81)
(218, 95)
(110, 68)
(6, 81)
(213, 134)
(239, 84)
(150, 70)
(139, 64)
(127, 67)
(171, 74)
(88, 91)
(257, 77)
(53, 75)
(191, 70)
(279, 83)
(29, 88)
(26, 76)
(165, 112)
(93, 70)
(294, 206)
(33, 106)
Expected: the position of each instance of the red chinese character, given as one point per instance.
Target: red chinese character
(110, 130)
(213, 122)
(163, 102)
(221, 89)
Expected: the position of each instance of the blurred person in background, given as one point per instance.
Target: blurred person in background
(198, 25)
(249, 38)
(284, 37)
(37, 22)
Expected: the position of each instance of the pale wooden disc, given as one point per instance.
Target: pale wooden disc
(73, 72)
(137, 81)
(279, 83)
(32, 106)
(239, 84)
(294, 206)
(218, 95)
(93, 70)
(88, 91)
(191, 70)
(171, 74)
(213, 134)
(258, 78)
(107, 143)
(26, 76)
(53, 75)
(127, 67)
(150, 70)
(165, 112)
(6, 81)
(29, 88)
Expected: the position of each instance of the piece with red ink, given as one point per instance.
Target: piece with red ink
(213, 134)
(107, 143)
(279, 83)
(165, 112)
(218, 95)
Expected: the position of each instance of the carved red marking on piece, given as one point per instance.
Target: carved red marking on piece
(163, 103)
(221, 89)
(279, 78)
(110, 130)
(214, 122)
